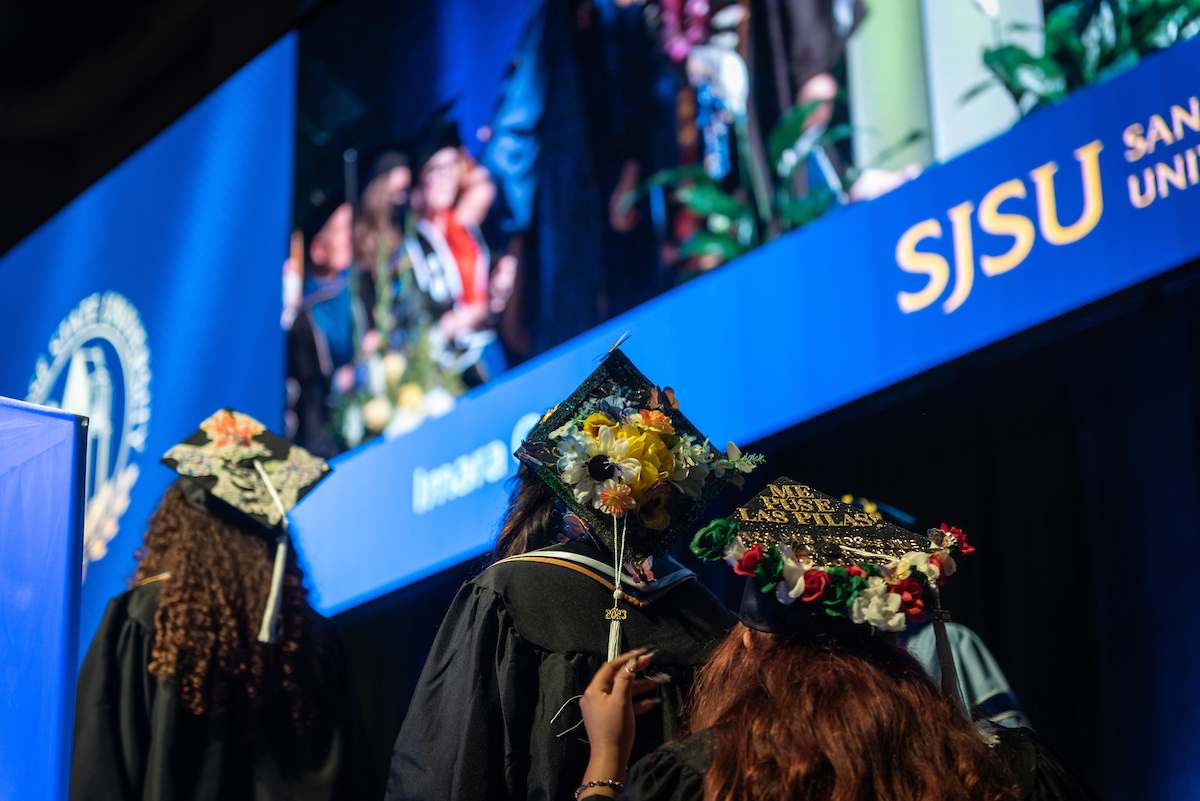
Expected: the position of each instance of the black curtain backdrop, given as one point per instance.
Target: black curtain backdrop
(1069, 456)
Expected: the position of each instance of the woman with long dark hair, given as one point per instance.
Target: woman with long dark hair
(213, 677)
(809, 697)
(581, 567)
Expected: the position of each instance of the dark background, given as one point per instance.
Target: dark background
(85, 84)
(1067, 453)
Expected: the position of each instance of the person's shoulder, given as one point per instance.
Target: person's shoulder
(705, 603)
(525, 571)
(137, 605)
(674, 771)
(697, 751)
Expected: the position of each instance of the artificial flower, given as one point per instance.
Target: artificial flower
(567, 429)
(734, 460)
(921, 562)
(229, 429)
(815, 583)
(856, 570)
(595, 422)
(710, 541)
(608, 459)
(652, 454)
(734, 551)
(896, 571)
(747, 565)
(722, 466)
(956, 539)
(689, 452)
(792, 572)
(946, 565)
(656, 421)
(769, 570)
(877, 606)
(410, 396)
(911, 602)
(618, 454)
(617, 408)
(689, 480)
(575, 448)
(653, 514)
(394, 365)
(375, 414)
(842, 590)
(615, 498)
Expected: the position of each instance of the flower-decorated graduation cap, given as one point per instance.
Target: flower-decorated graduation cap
(623, 459)
(234, 468)
(808, 556)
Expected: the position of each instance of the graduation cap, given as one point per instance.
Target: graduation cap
(623, 458)
(316, 208)
(380, 159)
(236, 469)
(439, 133)
(809, 557)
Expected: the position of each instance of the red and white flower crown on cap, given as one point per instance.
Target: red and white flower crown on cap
(832, 558)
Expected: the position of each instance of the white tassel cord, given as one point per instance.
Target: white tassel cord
(614, 626)
(560, 711)
(266, 632)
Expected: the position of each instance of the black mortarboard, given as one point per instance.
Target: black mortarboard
(379, 159)
(798, 544)
(316, 208)
(615, 424)
(439, 133)
(807, 556)
(234, 468)
(218, 460)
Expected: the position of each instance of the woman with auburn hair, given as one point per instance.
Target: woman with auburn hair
(213, 677)
(809, 697)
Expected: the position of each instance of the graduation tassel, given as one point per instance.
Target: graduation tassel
(950, 685)
(615, 614)
(267, 631)
(614, 631)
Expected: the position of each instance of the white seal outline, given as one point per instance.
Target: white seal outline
(98, 309)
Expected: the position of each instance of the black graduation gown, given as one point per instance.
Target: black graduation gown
(676, 772)
(135, 741)
(495, 714)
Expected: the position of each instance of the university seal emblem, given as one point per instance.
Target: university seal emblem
(98, 364)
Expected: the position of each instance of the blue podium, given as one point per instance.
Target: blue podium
(43, 459)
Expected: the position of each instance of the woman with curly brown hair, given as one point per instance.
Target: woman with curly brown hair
(809, 697)
(213, 677)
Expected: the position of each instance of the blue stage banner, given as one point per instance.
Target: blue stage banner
(42, 468)
(154, 298)
(1073, 204)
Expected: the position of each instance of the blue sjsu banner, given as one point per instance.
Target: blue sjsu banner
(154, 298)
(1073, 204)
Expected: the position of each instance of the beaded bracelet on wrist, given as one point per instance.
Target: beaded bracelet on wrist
(610, 783)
